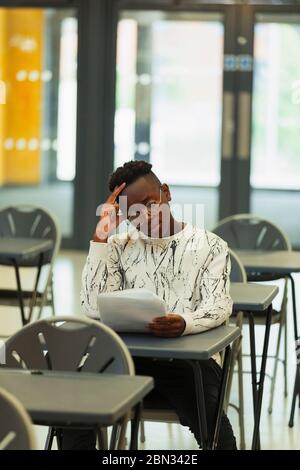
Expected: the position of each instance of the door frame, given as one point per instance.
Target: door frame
(244, 102)
(228, 11)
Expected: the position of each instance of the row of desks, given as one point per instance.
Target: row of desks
(97, 400)
(249, 298)
(86, 398)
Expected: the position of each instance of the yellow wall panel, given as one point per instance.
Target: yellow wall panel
(3, 61)
(23, 111)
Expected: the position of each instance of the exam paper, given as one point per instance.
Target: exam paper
(130, 310)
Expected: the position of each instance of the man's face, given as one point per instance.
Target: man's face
(147, 205)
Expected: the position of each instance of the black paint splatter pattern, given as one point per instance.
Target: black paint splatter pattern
(189, 271)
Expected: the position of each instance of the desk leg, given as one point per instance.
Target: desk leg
(135, 426)
(200, 402)
(224, 380)
(258, 392)
(296, 390)
(20, 293)
(253, 361)
(49, 439)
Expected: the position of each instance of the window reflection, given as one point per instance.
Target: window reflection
(169, 94)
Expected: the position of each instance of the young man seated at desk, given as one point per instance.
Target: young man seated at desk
(186, 266)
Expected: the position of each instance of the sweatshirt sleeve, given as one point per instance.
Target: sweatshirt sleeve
(102, 273)
(215, 304)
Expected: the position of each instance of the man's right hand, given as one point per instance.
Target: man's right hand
(109, 217)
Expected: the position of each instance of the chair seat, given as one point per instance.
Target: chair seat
(157, 408)
(260, 317)
(10, 297)
(163, 415)
(264, 277)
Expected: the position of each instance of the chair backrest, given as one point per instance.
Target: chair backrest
(16, 430)
(68, 344)
(250, 232)
(25, 221)
(237, 273)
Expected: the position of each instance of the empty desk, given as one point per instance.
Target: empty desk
(77, 398)
(13, 251)
(251, 298)
(281, 263)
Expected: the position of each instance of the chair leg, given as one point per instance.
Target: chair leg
(58, 438)
(282, 327)
(102, 438)
(52, 298)
(237, 356)
(142, 436)
(285, 364)
(118, 435)
(295, 394)
(274, 375)
(241, 400)
(114, 437)
(122, 435)
(234, 356)
(48, 289)
(170, 429)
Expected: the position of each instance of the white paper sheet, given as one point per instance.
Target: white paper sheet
(130, 310)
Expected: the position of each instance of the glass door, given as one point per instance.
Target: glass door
(275, 149)
(38, 95)
(169, 91)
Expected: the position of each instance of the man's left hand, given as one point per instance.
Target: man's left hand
(169, 326)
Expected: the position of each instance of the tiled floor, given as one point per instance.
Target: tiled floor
(275, 433)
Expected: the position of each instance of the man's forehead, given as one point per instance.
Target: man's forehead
(139, 189)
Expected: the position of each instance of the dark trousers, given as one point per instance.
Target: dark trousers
(174, 388)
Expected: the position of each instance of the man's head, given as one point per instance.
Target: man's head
(142, 188)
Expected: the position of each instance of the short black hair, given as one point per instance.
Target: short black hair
(130, 172)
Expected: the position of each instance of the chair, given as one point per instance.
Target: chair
(237, 274)
(16, 430)
(251, 232)
(71, 344)
(31, 222)
(161, 414)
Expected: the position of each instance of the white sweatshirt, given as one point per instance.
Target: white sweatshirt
(189, 271)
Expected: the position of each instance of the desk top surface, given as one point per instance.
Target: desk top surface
(275, 262)
(78, 397)
(201, 346)
(252, 297)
